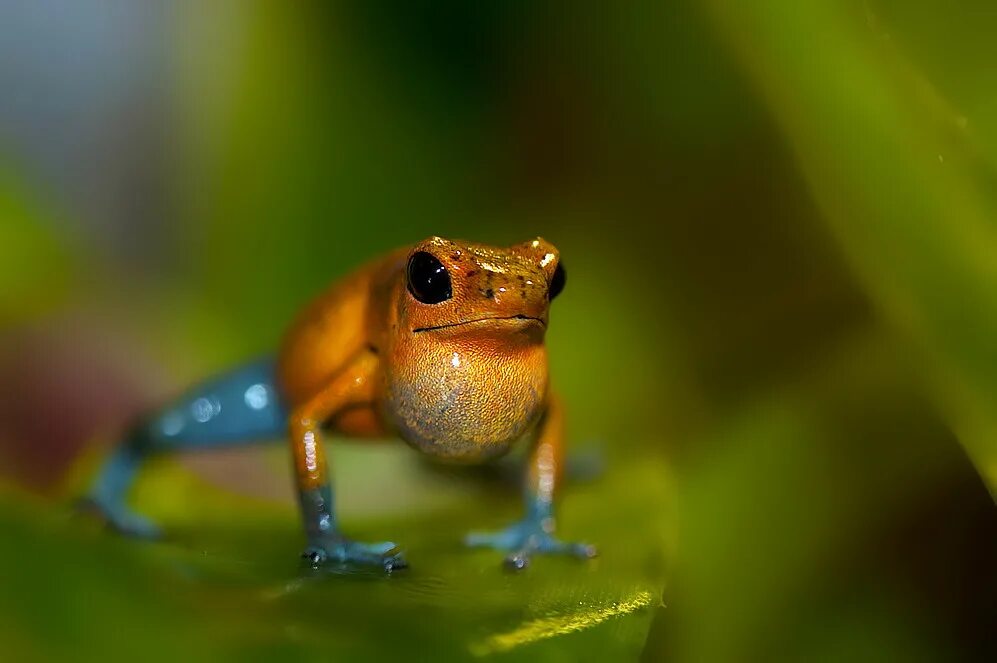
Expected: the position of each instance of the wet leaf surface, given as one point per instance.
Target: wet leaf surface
(229, 586)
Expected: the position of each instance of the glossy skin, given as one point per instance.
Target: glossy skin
(461, 379)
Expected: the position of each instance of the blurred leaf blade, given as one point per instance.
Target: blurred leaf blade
(35, 264)
(902, 196)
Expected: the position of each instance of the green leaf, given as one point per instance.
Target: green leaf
(229, 584)
(901, 187)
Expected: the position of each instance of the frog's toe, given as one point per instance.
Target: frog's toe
(546, 544)
(385, 554)
(523, 540)
(517, 561)
(549, 544)
(121, 519)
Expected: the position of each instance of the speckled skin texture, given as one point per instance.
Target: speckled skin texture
(462, 379)
(467, 392)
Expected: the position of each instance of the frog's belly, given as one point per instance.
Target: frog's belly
(464, 420)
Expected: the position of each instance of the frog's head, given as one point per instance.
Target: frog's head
(467, 369)
(461, 289)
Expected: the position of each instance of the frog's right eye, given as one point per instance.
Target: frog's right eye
(428, 280)
(557, 281)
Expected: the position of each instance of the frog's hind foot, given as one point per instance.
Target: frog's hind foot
(524, 539)
(120, 518)
(340, 550)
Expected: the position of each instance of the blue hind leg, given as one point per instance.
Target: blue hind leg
(238, 407)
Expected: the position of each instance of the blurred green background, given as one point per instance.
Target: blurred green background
(780, 328)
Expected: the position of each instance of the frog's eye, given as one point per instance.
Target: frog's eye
(557, 282)
(428, 280)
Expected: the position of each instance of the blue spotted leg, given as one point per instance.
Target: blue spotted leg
(239, 407)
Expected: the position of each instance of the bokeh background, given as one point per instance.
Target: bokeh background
(779, 333)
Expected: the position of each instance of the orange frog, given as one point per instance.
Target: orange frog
(441, 344)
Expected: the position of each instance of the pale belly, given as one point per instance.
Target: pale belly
(464, 407)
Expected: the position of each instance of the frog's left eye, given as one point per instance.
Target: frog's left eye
(428, 280)
(557, 282)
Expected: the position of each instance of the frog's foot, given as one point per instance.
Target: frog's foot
(521, 540)
(120, 518)
(340, 549)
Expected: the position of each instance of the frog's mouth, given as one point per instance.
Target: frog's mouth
(528, 319)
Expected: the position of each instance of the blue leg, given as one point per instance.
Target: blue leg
(109, 490)
(327, 544)
(535, 532)
(238, 407)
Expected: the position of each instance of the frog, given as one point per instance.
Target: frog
(441, 343)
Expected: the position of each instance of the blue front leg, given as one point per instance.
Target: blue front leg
(239, 407)
(327, 544)
(535, 532)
